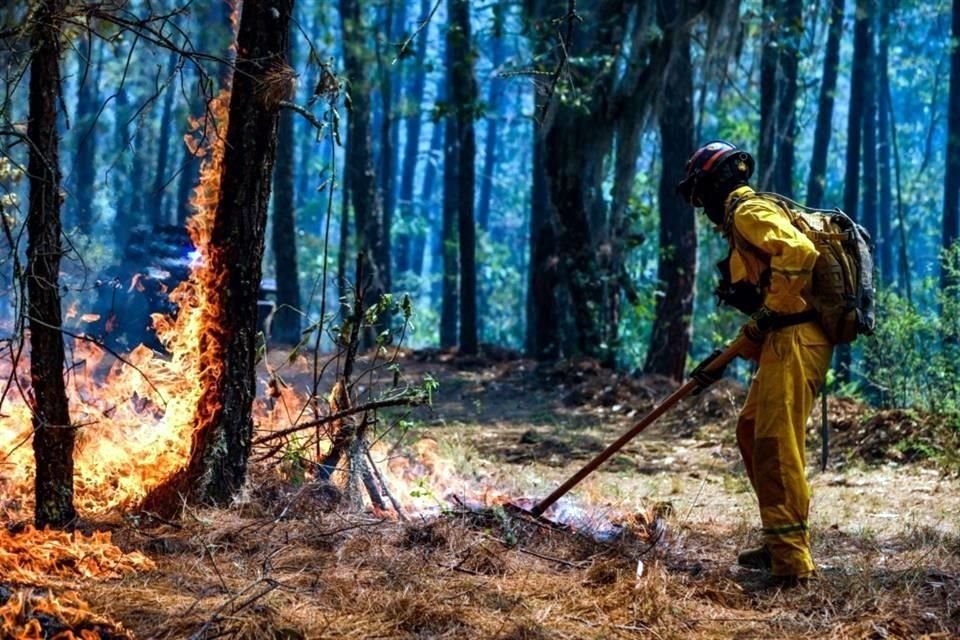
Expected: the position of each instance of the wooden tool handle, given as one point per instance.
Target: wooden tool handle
(716, 364)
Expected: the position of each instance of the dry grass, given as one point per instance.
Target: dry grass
(885, 537)
(483, 574)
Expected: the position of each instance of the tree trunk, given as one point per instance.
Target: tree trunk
(868, 217)
(359, 159)
(768, 96)
(418, 241)
(53, 434)
(449, 300)
(285, 328)
(951, 180)
(158, 214)
(884, 239)
(343, 244)
(224, 423)
(124, 216)
(677, 267)
(411, 151)
(543, 327)
(828, 85)
(388, 149)
(464, 97)
(790, 34)
(494, 102)
(84, 168)
(851, 185)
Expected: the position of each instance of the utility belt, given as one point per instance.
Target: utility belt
(790, 319)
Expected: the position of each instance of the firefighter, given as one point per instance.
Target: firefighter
(767, 275)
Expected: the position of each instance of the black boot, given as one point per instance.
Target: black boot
(758, 558)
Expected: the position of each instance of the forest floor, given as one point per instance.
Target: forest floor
(885, 530)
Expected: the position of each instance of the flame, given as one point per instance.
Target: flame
(21, 615)
(32, 553)
(135, 416)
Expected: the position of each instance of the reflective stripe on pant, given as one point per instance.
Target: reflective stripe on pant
(771, 433)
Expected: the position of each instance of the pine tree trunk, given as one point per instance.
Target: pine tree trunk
(418, 241)
(84, 170)
(768, 97)
(124, 216)
(158, 214)
(677, 267)
(414, 124)
(464, 95)
(790, 34)
(542, 337)
(53, 438)
(851, 185)
(359, 159)
(868, 217)
(951, 181)
(824, 127)
(387, 158)
(884, 239)
(494, 102)
(224, 429)
(449, 299)
(285, 328)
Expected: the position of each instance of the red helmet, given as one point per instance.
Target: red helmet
(713, 167)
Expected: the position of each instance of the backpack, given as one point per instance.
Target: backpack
(843, 291)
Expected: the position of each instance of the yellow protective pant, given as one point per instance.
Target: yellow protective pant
(771, 433)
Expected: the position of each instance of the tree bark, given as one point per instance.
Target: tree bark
(677, 267)
(768, 96)
(359, 159)
(951, 181)
(851, 185)
(828, 85)
(449, 298)
(494, 103)
(158, 214)
(285, 327)
(418, 241)
(868, 215)
(124, 215)
(411, 152)
(54, 436)
(464, 97)
(884, 240)
(790, 34)
(543, 327)
(224, 423)
(388, 150)
(85, 161)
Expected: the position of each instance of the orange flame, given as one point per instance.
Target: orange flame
(136, 416)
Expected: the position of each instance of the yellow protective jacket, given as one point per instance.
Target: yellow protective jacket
(762, 237)
(791, 365)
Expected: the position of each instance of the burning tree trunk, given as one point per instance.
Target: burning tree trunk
(224, 424)
(53, 435)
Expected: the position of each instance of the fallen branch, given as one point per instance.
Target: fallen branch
(410, 401)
